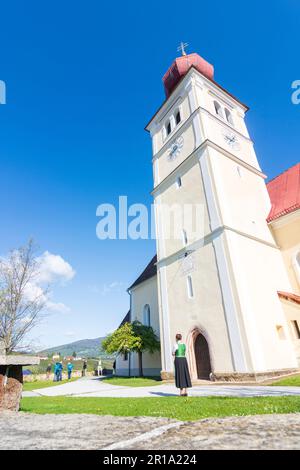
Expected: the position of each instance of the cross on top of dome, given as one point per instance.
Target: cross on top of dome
(182, 47)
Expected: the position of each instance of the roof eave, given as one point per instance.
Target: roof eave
(146, 128)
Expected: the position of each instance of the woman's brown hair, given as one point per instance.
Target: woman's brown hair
(178, 337)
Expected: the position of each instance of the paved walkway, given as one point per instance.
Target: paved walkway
(95, 387)
(73, 431)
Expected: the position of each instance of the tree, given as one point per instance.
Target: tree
(134, 337)
(121, 341)
(149, 342)
(21, 300)
(74, 354)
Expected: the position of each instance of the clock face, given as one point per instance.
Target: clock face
(232, 141)
(175, 148)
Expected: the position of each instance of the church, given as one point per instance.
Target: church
(232, 289)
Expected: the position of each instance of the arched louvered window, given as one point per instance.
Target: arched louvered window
(146, 315)
(218, 109)
(168, 128)
(228, 116)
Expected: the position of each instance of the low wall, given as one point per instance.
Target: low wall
(42, 377)
(234, 377)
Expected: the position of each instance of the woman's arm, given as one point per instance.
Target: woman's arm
(175, 347)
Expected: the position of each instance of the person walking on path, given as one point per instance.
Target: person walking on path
(99, 368)
(48, 371)
(70, 368)
(60, 369)
(56, 372)
(84, 368)
(182, 374)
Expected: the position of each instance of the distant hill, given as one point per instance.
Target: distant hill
(83, 348)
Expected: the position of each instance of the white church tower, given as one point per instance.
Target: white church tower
(217, 285)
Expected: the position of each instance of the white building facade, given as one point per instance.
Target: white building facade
(216, 280)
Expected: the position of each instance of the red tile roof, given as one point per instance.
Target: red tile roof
(288, 296)
(180, 68)
(284, 192)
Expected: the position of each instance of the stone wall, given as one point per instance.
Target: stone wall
(42, 377)
(11, 380)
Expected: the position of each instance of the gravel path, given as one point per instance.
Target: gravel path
(247, 432)
(71, 431)
(74, 431)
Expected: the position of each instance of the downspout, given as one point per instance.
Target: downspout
(129, 365)
(130, 310)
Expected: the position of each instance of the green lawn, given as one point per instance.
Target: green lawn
(28, 386)
(192, 408)
(134, 381)
(293, 381)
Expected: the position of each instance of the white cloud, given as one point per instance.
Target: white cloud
(53, 268)
(105, 289)
(32, 291)
(57, 307)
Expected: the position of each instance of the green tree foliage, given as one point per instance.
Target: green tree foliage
(134, 337)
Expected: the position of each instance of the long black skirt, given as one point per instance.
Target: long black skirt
(182, 375)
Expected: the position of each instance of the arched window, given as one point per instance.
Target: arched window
(228, 116)
(296, 264)
(218, 109)
(177, 117)
(146, 315)
(168, 128)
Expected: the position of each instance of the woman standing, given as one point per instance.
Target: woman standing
(182, 375)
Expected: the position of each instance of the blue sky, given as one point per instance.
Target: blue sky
(83, 78)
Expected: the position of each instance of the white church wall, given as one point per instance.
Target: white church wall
(122, 365)
(204, 311)
(141, 295)
(190, 194)
(286, 232)
(259, 273)
(242, 197)
(292, 313)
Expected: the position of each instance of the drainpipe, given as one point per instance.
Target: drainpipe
(129, 364)
(130, 310)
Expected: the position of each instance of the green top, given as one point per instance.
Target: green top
(180, 351)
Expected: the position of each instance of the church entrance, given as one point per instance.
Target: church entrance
(202, 357)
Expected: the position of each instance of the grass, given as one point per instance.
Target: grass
(28, 386)
(186, 409)
(134, 381)
(293, 381)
